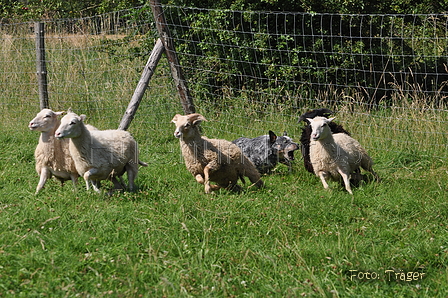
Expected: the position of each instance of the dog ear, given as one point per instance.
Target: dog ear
(272, 137)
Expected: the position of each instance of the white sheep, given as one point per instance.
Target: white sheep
(212, 160)
(52, 156)
(100, 154)
(336, 155)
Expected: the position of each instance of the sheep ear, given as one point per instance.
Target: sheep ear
(197, 118)
(309, 120)
(330, 119)
(174, 120)
(59, 113)
(82, 117)
(272, 137)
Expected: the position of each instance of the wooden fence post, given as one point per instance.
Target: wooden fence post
(176, 70)
(147, 73)
(41, 65)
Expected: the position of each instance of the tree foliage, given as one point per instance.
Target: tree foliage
(275, 54)
(26, 10)
(211, 39)
(48, 9)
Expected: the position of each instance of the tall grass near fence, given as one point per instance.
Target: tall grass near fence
(100, 84)
(83, 73)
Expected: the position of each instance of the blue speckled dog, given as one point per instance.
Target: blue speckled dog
(268, 150)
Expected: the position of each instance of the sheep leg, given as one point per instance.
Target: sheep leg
(95, 187)
(74, 179)
(132, 170)
(86, 177)
(97, 183)
(322, 176)
(208, 187)
(346, 179)
(199, 178)
(375, 175)
(87, 184)
(254, 177)
(45, 174)
(366, 164)
(207, 179)
(117, 184)
(120, 178)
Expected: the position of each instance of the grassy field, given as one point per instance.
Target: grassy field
(169, 239)
(290, 239)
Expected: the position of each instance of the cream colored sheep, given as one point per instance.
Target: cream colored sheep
(336, 155)
(100, 154)
(52, 156)
(212, 160)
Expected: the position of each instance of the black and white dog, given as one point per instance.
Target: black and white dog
(267, 150)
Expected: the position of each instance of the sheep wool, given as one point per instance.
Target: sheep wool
(100, 154)
(212, 160)
(52, 156)
(335, 155)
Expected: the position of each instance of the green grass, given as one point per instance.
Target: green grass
(290, 239)
(169, 239)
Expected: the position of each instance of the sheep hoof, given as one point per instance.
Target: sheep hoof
(235, 188)
(199, 179)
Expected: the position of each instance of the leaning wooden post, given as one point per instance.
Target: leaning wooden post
(41, 65)
(176, 70)
(147, 73)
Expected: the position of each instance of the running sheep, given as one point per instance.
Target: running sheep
(212, 160)
(305, 138)
(52, 156)
(336, 155)
(100, 154)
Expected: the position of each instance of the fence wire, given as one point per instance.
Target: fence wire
(248, 71)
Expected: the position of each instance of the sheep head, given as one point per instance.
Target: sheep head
(46, 120)
(319, 127)
(70, 126)
(187, 125)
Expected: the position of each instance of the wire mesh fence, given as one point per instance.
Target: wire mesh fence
(247, 71)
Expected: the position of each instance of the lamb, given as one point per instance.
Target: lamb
(336, 155)
(52, 157)
(100, 154)
(212, 160)
(267, 150)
